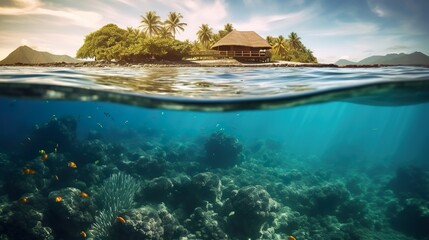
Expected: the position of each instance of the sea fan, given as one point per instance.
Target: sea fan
(117, 194)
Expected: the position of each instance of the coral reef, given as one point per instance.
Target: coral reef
(164, 187)
(222, 151)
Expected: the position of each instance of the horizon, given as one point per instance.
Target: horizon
(332, 30)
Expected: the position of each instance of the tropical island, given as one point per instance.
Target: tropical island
(154, 43)
(156, 40)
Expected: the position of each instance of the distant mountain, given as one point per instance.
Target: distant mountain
(416, 58)
(343, 62)
(27, 55)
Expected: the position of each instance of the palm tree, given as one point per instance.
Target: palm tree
(227, 28)
(295, 41)
(270, 40)
(151, 24)
(134, 33)
(165, 33)
(280, 46)
(173, 24)
(205, 34)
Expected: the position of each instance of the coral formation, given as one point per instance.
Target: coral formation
(217, 189)
(222, 150)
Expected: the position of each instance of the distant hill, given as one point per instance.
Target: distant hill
(343, 62)
(27, 55)
(416, 58)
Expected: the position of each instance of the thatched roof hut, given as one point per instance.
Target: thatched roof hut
(241, 41)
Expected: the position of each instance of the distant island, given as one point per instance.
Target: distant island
(416, 58)
(27, 55)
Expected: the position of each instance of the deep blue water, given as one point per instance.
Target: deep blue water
(320, 142)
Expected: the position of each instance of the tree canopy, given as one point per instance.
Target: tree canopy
(290, 49)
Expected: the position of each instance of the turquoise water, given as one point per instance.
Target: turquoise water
(214, 153)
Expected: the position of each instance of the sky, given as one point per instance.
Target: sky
(332, 29)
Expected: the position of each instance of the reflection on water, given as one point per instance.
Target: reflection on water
(221, 88)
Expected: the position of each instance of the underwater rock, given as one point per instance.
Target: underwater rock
(413, 219)
(28, 179)
(354, 210)
(321, 200)
(157, 190)
(58, 133)
(204, 224)
(251, 207)
(94, 150)
(137, 224)
(410, 182)
(150, 168)
(24, 219)
(197, 191)
(172, 228)
(70, 212)
(206, 187)
(222, 151)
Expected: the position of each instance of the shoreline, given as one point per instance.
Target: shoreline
(199, 63)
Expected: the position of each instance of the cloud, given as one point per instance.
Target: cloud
(18, 7)
(347, 29)
(396, 47)
(35, 7)
(263, 23)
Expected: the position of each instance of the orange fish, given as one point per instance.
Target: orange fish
(44, 157)
(24, 200)
(83, 234)
(28, 171)
(72, 165)
(84, 195)
(291, 238)
(121, 219)
(58, 199)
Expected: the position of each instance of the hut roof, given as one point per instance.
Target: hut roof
(243, 38)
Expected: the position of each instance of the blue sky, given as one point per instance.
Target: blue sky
(351, 29)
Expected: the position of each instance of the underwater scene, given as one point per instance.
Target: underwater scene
(216, 153)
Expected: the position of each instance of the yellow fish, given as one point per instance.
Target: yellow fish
(72, 165)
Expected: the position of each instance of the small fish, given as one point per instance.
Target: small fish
(99, 124)
(24, 200)
(56, 178)
(291, 238)
(84, 195)
(28, 171)
(42, 151)
(126, 122)
(72, 165)
(56, 148)
(28, 138)
(83, 234)
(97, 162)
(44, 157)
(58, 199)
(121, 219)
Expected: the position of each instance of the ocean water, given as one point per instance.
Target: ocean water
(214, 153)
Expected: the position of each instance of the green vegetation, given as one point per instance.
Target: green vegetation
(157, 41)
(290, 49)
